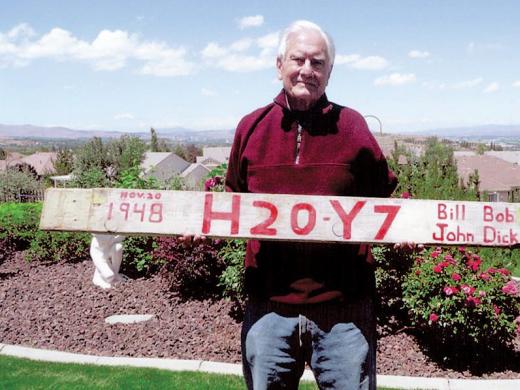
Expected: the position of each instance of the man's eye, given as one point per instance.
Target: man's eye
(298, 60)
(317, 63)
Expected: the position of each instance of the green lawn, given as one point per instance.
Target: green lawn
(516, 271)
(28, 374)
(24, 374)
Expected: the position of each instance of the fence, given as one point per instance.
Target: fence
(23, 196)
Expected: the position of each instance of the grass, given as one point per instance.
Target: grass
(516, 271)
(16, 373)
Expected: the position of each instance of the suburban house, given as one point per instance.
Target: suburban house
(194, 174)
(42, 162)
(163, 165)
(214, 156)
(499, 179)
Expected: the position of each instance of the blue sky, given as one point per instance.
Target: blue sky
(128, 65)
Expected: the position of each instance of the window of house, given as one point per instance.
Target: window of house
(493, 197)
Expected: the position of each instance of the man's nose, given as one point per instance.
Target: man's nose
(306, 68)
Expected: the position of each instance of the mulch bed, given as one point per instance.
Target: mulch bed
(57, 307)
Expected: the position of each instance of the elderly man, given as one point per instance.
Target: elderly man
(308, 302)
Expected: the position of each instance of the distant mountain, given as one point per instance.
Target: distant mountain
(183, 134)
(30, 131)
(483, 131)
(180, 134)
(188, 135)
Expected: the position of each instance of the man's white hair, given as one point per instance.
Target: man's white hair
(300, 25)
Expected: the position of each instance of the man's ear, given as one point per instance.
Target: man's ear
(279, 67)
(330, 72)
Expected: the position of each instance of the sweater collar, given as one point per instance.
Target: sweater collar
(322, 106)
(316, 119)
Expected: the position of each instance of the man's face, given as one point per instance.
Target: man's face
(304, 69)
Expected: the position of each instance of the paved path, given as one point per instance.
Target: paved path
(391, 381)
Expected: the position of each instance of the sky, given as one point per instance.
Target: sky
(131, 65)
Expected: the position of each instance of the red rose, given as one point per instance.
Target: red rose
(455, 276)
(510, 288)
(434, 317)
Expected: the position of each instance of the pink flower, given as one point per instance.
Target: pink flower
(491, 270)
(437, 269)
(496, 309)
(449, 259)
(212, 182)
(518, 329)
(435, 254)
(448, 290)
(481, 293)
(468, 290)
(485, 276)
(455, 276)
(474, 263)
(472, 301)
(434, 317)
(510, 288)
(504, 271)
(418, 260)
(406, 195)
(462, 249)
(418, 272)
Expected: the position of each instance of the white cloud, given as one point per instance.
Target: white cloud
(250, 21)
(477, 47)
(491, 87)
(243, 63)
(124, 115)
(516, 84)
(109, 51)
(241, 44)
(22, 30)
(244, 55)
(418, 54)
(358, 62)
(434, 85)
(468, 83)
(395, 79)
(213, 50)
(208, 92)
(458, 85)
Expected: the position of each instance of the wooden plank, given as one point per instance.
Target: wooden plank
(281, 217)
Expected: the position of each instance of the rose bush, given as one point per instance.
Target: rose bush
(459, 303)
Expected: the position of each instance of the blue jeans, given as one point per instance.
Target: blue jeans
(336, 339)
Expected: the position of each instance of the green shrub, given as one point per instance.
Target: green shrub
(191, 270)
(392, 269)
(232, 278)
(59, 247)
(19, 223)
(461, 305)
(138, 255)
(16, 181)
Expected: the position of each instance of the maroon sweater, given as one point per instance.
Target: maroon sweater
(327, 150)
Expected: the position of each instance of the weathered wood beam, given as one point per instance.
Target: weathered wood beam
(281, 217)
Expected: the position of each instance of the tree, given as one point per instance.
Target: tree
(99, 165)
(188, 152)
(154, 142)
(64, 163)
(124, 153)
(14, 182)
(433, 175)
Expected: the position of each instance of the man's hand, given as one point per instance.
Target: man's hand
(189, 239)
(408, 246)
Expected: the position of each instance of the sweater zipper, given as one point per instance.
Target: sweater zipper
(298, 144)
